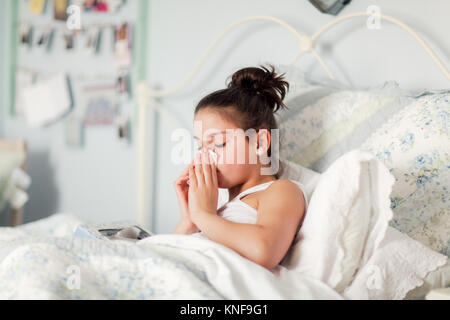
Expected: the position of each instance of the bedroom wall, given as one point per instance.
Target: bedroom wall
(3, 216)
(181, 31)
(97, 181)
(2, 58)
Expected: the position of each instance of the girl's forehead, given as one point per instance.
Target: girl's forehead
(210, 123)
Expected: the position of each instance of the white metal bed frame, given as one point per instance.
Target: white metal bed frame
(147, 96)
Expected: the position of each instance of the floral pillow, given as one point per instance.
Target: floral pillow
(415, 145)
(325, 120)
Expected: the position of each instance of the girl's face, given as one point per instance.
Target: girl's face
(232, 149)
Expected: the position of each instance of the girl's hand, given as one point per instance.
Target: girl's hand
(182, 188)
(203, 188)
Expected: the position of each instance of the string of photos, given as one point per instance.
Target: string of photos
(80, 99)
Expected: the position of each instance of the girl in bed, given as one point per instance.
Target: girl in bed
(264, 212)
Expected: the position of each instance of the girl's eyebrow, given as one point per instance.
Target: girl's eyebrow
(213, 134)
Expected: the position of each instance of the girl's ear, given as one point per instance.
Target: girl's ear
(263, 141)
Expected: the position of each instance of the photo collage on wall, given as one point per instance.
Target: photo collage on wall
(97, 101)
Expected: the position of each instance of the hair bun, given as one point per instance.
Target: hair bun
(262, 82)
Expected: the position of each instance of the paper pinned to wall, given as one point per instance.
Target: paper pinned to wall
(60, 9)
(37, 6)
(24, 78)
(46, 101)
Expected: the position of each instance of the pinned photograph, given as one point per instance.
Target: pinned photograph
(102, 5)
(100, 105)
(37, 6)
(93, 36)
(60, 9)
(123, 44)
(123, 129)
(44, 38)
(26, 34)
(123, 85)
(96, 5)
(69, 40)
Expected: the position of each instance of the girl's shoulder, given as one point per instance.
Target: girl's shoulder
(283, 184)
(283, 195)
(282, 189)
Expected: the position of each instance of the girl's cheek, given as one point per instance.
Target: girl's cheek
(224, 156)
(220, 158)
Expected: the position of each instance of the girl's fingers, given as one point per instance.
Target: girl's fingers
(184, 181)
(199, 174)
(213, 171)
(192, 177)
(197, 158)
(206, 168)
(199, 170)
(181, 180)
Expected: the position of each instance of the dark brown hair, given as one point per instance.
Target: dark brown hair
(250, 99)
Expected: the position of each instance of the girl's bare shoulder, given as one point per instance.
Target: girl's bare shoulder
(283, 197)
(282, 189)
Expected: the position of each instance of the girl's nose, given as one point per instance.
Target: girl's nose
(207, 149)
(210, 151)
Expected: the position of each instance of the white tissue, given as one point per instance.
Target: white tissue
(213, 156)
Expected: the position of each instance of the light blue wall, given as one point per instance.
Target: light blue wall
(2, 60)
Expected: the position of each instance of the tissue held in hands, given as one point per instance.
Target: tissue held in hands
(213, 157)
(212, 154)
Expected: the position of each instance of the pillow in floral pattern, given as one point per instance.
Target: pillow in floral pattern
(415, 145)
(326, 119)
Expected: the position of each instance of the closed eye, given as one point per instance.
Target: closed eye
(216, 145)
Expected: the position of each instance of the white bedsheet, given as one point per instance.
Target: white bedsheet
(42, 261)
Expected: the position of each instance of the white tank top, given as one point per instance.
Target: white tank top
(238, 211)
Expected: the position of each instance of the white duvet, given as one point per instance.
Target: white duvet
(43, 260)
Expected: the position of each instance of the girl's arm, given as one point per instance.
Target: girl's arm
(185, 228)
(280, 211)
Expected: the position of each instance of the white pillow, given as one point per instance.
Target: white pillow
(437, 279)
(346, 220)
(307, 177)
(399, 265)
